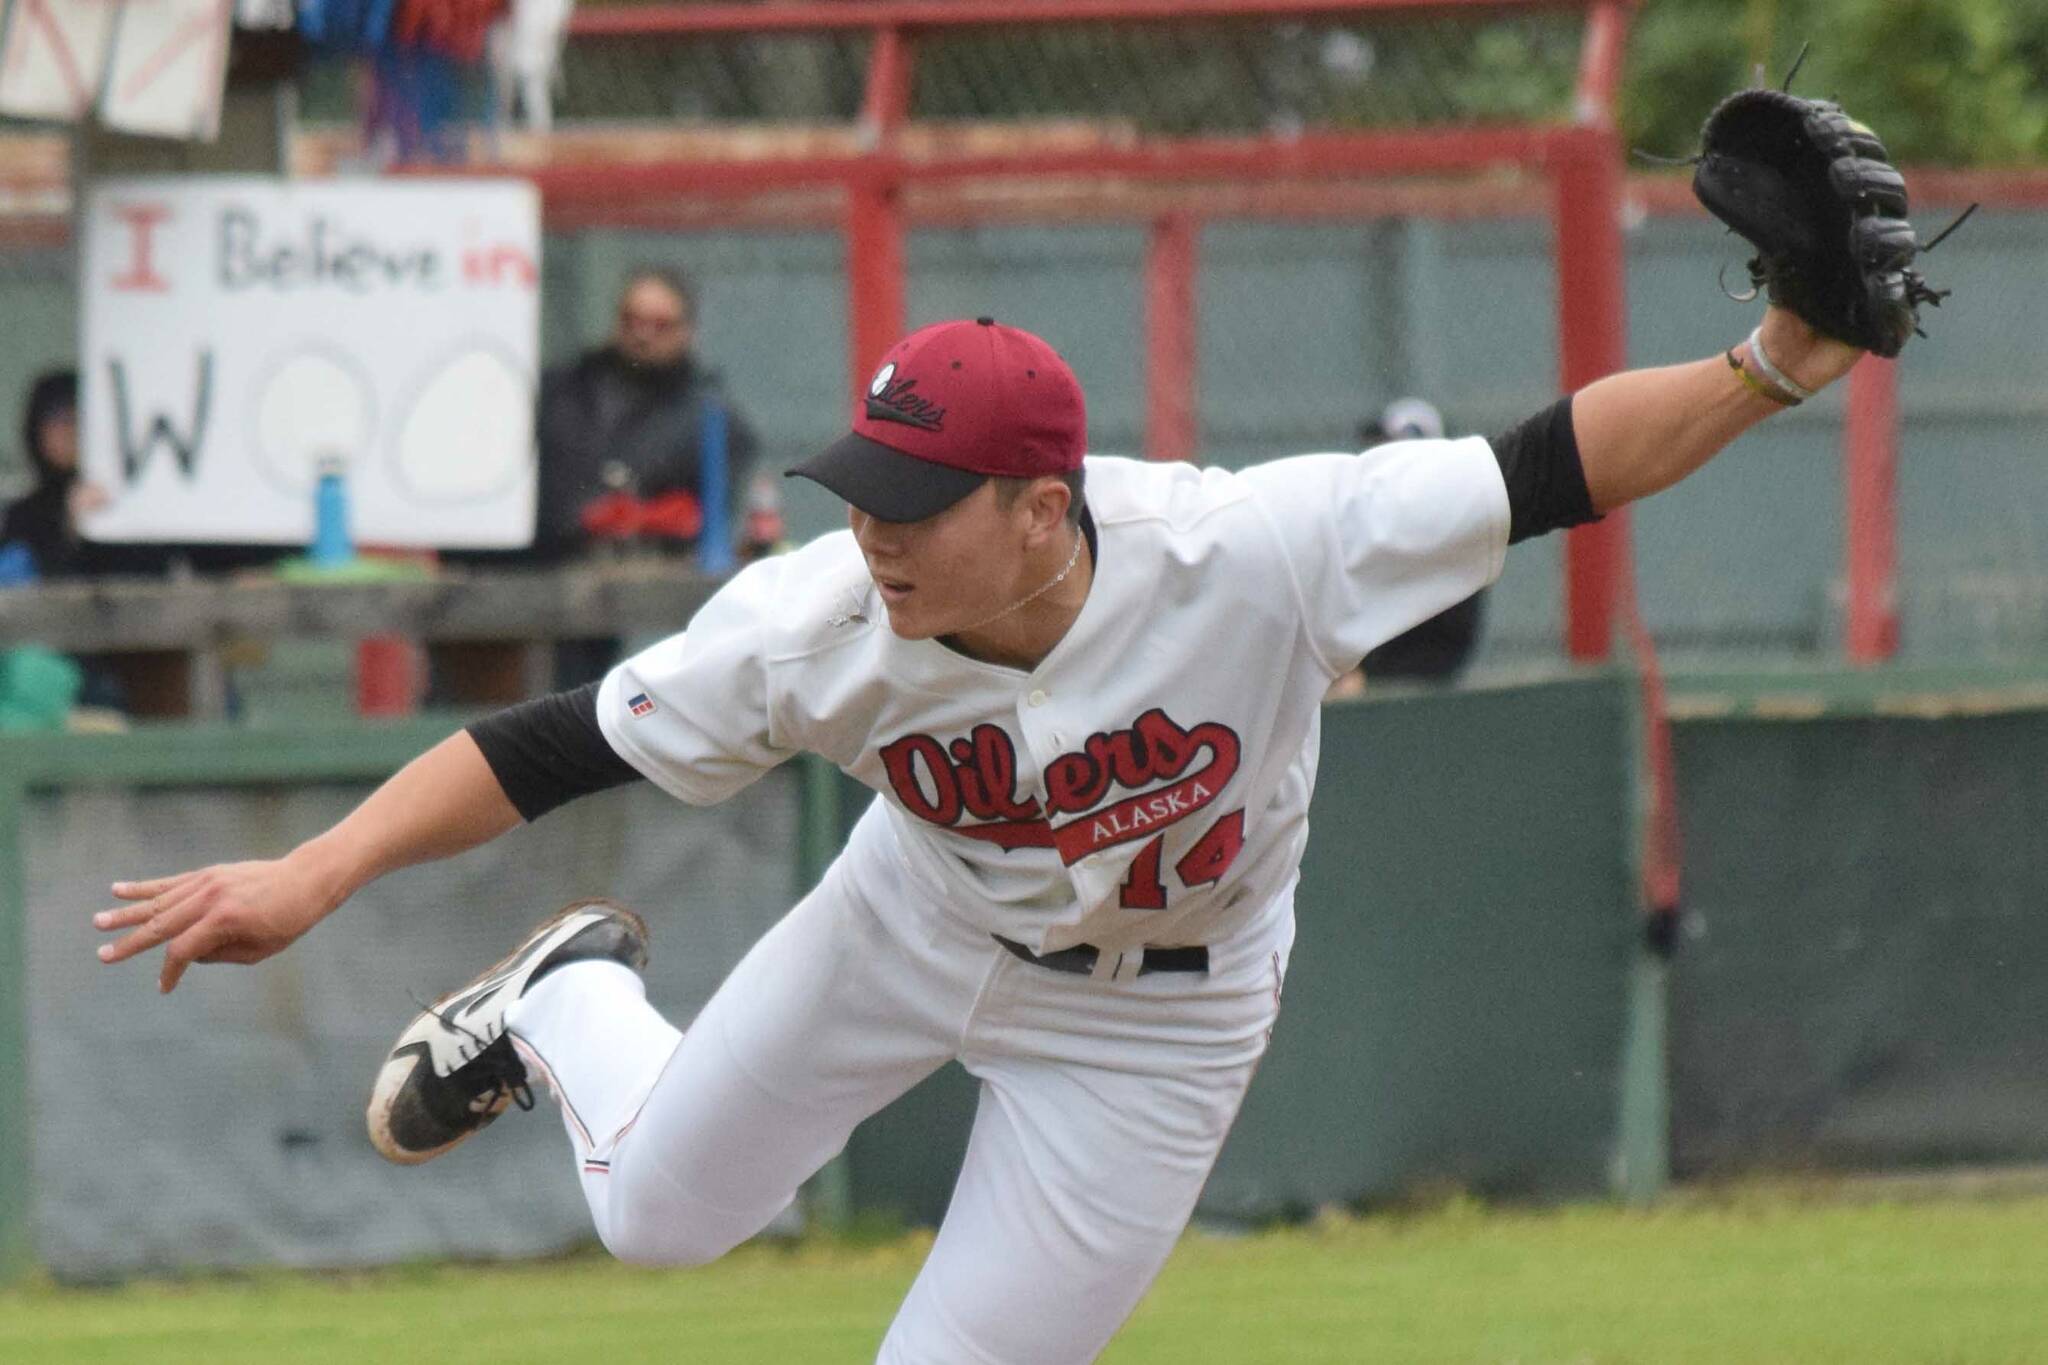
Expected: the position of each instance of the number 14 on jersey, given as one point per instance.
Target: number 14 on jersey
(1203, 864)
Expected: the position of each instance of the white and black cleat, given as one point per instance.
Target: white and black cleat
(453, 1070)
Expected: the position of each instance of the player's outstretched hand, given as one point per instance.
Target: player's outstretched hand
(230, 912)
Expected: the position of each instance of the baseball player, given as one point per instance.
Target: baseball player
(1085, 691)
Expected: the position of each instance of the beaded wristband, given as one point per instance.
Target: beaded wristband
(1757, 386)
(1772, 372)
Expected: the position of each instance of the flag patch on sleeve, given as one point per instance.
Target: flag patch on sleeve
(640, 704)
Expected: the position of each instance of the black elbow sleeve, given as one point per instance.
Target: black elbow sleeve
(1539, 461)
(550, 750)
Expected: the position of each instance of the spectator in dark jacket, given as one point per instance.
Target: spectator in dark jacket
(627, 419)
(45, 520)
(620, 436)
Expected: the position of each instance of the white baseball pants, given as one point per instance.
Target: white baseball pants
(1103, 1106)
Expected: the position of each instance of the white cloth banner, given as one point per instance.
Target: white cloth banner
(168, 68)
(241, 333)
(53, 56)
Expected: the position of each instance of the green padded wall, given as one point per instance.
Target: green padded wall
(1862, 980)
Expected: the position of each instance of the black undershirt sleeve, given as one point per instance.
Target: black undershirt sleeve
(550, 750)
(1539, 460)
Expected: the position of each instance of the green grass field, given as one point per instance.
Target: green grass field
(1756, 1277)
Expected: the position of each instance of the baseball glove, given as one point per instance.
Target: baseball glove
(1815, 193)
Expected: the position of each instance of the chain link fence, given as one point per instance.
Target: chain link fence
(1148, 79)
(1178, 79)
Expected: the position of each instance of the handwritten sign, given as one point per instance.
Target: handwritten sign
(241, 334)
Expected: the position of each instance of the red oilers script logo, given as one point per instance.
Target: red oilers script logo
(976, 775)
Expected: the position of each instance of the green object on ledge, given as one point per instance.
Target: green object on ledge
(361, 569)
(37, 689)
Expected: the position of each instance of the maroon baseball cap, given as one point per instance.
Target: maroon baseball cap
(952, 405)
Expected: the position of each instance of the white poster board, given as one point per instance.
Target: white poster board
(53, 54)
(242, 332)
(168, 68)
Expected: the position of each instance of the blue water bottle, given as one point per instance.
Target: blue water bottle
(331, 547)
(714, 468)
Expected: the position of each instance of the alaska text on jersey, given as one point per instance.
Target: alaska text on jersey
(976, 775)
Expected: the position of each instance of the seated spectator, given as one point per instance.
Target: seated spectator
(620, 434)
(39, 536)
(629, 418)
(45, 520)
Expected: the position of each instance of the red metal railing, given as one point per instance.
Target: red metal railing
(1870, 557)
(873, 183)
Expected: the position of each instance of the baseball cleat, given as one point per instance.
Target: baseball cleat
(453, 1070)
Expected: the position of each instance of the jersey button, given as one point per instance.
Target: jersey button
(1037, 698)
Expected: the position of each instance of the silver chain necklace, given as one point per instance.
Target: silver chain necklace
(1042, 589)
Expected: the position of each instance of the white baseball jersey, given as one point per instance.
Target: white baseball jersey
(1148, 783)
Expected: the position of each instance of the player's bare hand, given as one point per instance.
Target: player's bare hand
(230, 912)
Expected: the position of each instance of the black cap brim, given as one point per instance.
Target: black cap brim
(885, 483)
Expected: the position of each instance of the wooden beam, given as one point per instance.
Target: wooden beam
(149, 614)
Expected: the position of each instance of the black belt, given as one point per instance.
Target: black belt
(1081, 959)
